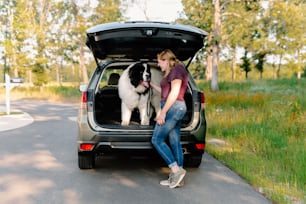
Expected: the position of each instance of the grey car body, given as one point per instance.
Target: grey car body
(115, 46)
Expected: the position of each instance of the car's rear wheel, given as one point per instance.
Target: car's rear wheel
(192, 160)
(86, 161)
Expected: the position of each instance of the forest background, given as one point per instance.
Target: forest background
(43, 41)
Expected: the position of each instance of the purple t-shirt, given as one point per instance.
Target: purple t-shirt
(178, 72)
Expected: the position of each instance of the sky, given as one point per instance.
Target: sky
(157, 10)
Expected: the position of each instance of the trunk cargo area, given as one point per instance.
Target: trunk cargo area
(107, 109)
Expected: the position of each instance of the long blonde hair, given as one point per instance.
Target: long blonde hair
(170, 56)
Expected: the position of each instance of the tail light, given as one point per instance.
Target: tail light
(84, 99)
(200, 146)
(202, 96)
(86, 147)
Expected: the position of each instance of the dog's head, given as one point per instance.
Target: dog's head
(140, 74)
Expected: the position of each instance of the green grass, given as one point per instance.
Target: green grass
(263, 125)
(11, 113)
(50, 93)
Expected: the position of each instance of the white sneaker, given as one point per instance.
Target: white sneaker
(167, 182)
(176, 178)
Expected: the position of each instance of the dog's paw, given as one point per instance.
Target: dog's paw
(146, 122)
(125, 123)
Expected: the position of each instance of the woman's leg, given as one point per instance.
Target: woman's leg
(175, 143)
(160, 134)
(179, 110)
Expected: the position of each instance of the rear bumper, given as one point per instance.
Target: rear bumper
(111, 139)
(111, 142)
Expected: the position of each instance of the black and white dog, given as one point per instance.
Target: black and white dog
(134, 91)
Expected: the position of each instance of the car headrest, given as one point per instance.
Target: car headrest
(113, 79)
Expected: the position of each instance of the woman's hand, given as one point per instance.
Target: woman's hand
(161, 118)
(157, 88)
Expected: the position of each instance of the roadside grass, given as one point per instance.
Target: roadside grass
(262, 124)
(51, 93)
(11, 113)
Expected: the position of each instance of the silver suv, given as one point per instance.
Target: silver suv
(115, 46)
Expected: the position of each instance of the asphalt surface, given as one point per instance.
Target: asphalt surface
(38, 164)
(14, 121)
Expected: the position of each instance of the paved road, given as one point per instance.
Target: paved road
(38, 164)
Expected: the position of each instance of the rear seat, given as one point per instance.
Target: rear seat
(108, 103)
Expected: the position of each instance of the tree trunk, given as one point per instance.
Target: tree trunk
(299, 68)
(278, 71)
(208, 71)
(234, 63)
(30, 77)
(214, 79)
(274, 68)
(278, 67)
(82, 65)
(16, 73)
(208, 67)
(57, 74)
(216, 39)
(299, 75)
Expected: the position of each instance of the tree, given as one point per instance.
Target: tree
(53, 36)
(286, 21)
(200, 14)
(259, 59)
(246, 65)
(105, 11)
(239, 28)
(216, 46)
(212, 15)
(60, 46)
(7, 19)
(4, 34)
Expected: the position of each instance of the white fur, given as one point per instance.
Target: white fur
(156, 76)
(130, 97)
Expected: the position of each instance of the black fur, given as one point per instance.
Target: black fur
(136, 73)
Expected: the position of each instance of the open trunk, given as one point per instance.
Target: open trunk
(107, 104)
(108, 109)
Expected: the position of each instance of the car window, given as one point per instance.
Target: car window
(110, 77)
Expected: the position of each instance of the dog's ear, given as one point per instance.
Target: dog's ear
(147, 71)
(134, 74)
(147, 67)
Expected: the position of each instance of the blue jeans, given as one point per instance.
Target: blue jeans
(170, 129)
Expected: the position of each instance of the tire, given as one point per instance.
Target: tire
(192, 160)
(86, 161)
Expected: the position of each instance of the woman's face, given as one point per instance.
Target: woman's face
(163, 64)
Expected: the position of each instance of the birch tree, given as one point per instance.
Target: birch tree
(287, 22)
(211, 15)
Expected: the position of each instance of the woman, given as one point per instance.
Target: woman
(173, 108)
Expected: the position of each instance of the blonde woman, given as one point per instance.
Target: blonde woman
(173, 108)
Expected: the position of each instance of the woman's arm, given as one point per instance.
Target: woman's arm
(175, 90)
(156, 87)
